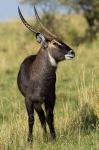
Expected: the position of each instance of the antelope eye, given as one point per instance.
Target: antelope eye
(54, 43)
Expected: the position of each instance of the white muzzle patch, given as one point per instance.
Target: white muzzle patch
(68, 57)
(52, 60)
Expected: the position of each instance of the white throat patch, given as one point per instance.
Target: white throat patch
(52, 60)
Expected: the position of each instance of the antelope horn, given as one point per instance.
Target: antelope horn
(25, 22)
(39, 20)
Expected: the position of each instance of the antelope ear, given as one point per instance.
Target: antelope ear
(41, 39)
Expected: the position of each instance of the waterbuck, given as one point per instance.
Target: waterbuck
(37, 76)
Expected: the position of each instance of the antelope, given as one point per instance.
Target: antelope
(37, 76)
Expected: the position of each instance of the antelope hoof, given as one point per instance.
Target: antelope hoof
(30, 139)
(53, 137)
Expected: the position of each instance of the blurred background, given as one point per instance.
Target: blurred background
(76, 22)
(8, 10)
(50, 8)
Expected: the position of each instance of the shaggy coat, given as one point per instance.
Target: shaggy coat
(37, 77)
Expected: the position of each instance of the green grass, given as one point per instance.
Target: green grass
(77, 89)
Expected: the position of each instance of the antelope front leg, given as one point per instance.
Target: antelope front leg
(41, 115)
(49, 107)
(50, 121)
(30, 111)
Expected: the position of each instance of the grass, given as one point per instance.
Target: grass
(77, 89)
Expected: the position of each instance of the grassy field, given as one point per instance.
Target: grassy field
(77, 89)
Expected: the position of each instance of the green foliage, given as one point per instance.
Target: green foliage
(46, 3)
(90, 10)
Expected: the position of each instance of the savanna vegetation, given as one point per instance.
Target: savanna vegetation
(77, 104)
(89, 10)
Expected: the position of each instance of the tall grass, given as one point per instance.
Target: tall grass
(77, 89)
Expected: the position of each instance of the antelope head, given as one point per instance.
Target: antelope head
(57, 50)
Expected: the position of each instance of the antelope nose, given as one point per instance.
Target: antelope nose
(71, 52)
